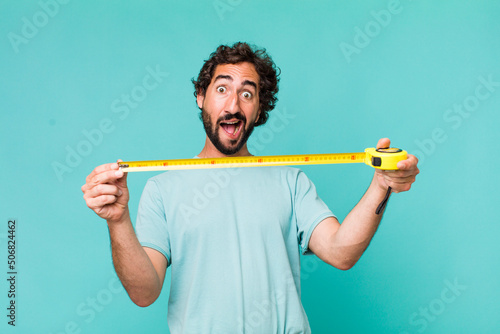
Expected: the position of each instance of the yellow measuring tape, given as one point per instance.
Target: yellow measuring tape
(383, 158)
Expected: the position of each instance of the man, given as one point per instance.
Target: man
(235, 256)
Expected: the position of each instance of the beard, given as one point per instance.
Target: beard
(213, 132)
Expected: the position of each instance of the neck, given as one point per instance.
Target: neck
(209, 151)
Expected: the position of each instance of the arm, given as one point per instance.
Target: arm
(341, 245)
(141, 270)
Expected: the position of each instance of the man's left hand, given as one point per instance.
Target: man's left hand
(402, 178)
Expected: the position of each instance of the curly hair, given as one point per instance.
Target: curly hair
(238, 53)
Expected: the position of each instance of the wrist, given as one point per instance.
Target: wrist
(124, 218)
(380, 193)
(378, 188)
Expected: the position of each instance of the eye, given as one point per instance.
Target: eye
(221, 89)
(247, 95)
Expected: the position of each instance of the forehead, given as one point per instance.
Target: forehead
(238, 72)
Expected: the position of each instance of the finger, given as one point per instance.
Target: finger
(100, 169)
(122, 181)
(408, 164)
(104, 189)
(398, 173)
(106, 177)
(400, 180)
(100, 201)
(392, 175)
(397, 188)
(384, 143)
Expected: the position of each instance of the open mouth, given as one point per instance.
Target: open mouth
(232, 127)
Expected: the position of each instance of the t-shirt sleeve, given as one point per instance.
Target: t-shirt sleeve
(151, 227)
(310, 210)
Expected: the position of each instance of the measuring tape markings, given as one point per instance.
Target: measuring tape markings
(386, 159)
(383, 158)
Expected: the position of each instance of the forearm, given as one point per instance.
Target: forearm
(358, 228)
(341, 245)
(132, 264)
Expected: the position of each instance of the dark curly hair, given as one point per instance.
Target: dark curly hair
(238, 53)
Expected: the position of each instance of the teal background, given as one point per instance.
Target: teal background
(431, 55)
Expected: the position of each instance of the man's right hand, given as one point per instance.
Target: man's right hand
(106, 192)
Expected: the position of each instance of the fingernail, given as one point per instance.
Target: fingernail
(120, 192)
(119, 173)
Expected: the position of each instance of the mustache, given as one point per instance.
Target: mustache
(239, 116)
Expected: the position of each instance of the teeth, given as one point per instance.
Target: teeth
(236, 128)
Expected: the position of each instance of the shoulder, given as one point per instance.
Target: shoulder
(160, 177)
(288, 175)
(169, 177)
(163, 181)
(291, 172)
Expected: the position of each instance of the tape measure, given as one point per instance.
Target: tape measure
(382, 158)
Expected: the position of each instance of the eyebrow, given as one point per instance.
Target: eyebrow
(251, 83)
(228, 77)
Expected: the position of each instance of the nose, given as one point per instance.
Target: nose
(232, 104)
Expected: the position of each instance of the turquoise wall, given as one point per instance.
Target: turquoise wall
(424, 73)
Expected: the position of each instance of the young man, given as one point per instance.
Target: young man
(234, 254)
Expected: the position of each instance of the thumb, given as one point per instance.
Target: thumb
(122, 181)
(384, 143)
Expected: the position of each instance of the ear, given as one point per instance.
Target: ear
(257, 119)
(199, 99)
